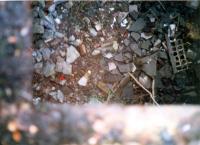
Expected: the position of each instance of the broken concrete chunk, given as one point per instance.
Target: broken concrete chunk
(72, 54)
(134, 47)
(48, 69)
(93, 32)
(138, 25)
(111, 66)
(84, 79)
(108, 55)
(135, 36)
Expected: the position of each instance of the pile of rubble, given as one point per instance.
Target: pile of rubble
(124, 56)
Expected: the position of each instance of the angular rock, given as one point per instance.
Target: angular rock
(138, 25)
(135, 36)
(93, 32)
(126, 42)
(46, 53)
(111, 66)
(98, 27)
(150, 65)
(48, 69)
(124, 68)
(119, 57)
(146, 44)
(38, 29)
(38, 67)
(64, 67)
(48, 35)
(94, 101)
(72, 54)
(57, 95)
(134, 47)
(37, 55)
(145, 80)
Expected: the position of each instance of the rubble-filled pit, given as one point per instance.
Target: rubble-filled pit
(115, 52)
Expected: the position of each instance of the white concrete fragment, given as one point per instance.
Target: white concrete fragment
(111, 66)
(72, 54)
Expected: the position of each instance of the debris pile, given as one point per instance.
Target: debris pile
(122, 52)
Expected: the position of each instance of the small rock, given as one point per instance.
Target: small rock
(133, 8)
(121, 17)
(134, 47)
(58, 21)
(108, 55)
(146, 45)
(48, 35)
(98, 27)
(145, 36)
(124, 68)
(150, 65)
(119, 57)
(51, 9)
(48, 69)
(126, 42)
(94, 101)
(145, 80)
(38, 29)
(64, 67)
(62, 82)
(37, 55)
(59, 35)
(72, 54)
(57, 95)
(111, 66)
(38, 67)
(158, 42)
(72, 38)
(128, 57)
(93, 32)
(115, 45)
(96, 52)
(46, 52)
(138, 25)
(135, 36)
(62, 53)
(84, 79)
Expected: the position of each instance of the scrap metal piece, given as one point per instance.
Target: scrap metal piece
(177, 54)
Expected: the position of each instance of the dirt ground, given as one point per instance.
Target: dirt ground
(105, 25)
